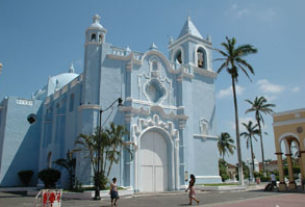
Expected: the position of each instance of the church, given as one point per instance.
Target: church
(168, 109)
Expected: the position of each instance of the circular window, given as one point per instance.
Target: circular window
(32, 118)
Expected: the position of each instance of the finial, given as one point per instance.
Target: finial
(96, 18)
(153, 46)
(128, 50)
(171, 40)
(188, 18)
(209, 38)
(71, 69)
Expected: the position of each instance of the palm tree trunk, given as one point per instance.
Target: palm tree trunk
(262, 144)
(252, 156)
(240, 166)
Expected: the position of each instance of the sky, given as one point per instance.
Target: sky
(39, 39)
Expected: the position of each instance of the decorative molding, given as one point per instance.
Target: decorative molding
(130, 57)
(205, 136)
(146, 112)
(288, 112)
(143, 124)
(186, 38)
(152, 104)
(289, 122)
(205, 72)
(89, 106)
(278, 153)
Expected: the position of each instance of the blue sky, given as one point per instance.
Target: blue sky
(41, 38)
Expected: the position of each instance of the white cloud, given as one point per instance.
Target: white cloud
(295, 89)
(270, 97)
(239, 12)
(228, 92)
(267, 87)
(242, 120)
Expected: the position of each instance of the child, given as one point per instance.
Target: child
(192, 193)
(114, 195)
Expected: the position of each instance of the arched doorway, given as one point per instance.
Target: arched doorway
(291, 159)
(154, 171)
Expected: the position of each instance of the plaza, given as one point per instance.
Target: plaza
(249, 198)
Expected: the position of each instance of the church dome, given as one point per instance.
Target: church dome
(61, 80)
(96, 23)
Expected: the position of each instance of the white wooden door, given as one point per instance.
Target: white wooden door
(154, 161)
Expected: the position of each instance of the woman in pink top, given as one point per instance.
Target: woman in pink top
(191, 188)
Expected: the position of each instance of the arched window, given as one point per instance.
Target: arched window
(100, 38)
(49, 160)
(178, 59)
(93, 36)
(71, 106)
(201, 58)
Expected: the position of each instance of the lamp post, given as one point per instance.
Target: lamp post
(99, 142)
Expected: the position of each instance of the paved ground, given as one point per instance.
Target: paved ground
(225, 199)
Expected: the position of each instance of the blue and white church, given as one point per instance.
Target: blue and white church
(168, 109)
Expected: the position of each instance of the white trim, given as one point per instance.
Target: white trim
(89, 106)
(186, 38)
(289, 122)
(152, 104)
(205, 136)
(208, 177)
(288, 112)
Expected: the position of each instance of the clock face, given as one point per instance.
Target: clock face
(299, 129)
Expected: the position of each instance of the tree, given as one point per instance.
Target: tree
(233, 62)
(111, 144)
(249, 134)
(223, 172)
(260, 106)
(69, 164)
(225, 144)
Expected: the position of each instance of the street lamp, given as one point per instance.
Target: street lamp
(97, 176)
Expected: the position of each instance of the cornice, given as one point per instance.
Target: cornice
(89, 106)
(189, 37)
(204, 72)
(147, 112)
(289, 122)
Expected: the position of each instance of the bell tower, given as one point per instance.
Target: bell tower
(95, 38)
(191, 56)
(190, 49)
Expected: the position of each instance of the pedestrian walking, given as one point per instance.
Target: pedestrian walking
(114, 194)
(273, 179)
(191, 188)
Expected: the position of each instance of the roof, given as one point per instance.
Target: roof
(190, 28)
(96, 23)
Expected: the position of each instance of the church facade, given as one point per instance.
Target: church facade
(168, 109)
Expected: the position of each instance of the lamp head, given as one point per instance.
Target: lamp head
(120, 102)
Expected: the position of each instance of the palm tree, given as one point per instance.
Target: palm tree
(249, 134)
(225, 144)
(111, 146)
(116, 145)
(69, 164)
(233, 62)
(260, 106)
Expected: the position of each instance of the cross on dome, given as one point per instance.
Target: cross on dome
(96, 18)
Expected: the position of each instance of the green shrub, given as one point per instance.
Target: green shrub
(25, 176)
(49, 177)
